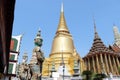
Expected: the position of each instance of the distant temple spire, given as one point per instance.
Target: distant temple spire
(25, 57)
(116, 35)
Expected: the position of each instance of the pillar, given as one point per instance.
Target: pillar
(101, 59)
(117, 61)
(116, 69)
(106, 62)
(88, 64)
(98, 66)
(93, 64)
(111, 66)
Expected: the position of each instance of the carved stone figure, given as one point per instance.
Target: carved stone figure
(33, 70)
(40, 56)
(25, 72)
(37, 58)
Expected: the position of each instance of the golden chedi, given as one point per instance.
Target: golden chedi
(63, 50)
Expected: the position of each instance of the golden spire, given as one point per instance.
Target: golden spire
(62, 23)
(65, 41)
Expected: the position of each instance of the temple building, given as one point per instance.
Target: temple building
(63, 53)
(100, 58)
(13, 55)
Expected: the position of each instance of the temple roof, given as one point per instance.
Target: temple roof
(115, 48)
(98, 46)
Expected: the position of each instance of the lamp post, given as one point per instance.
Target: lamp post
(63, 70)
(52, 69)
(48, 69)
(63, 65)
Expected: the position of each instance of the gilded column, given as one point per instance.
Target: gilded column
(98, 66)
(116, 70)
(107, 67)
(93, 64)
(111, 66)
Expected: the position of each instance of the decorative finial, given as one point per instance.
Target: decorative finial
(39, 29)
(39, 32)
(62, 26)
(114, 24)
(94, 25)
(95, 30)
(62, 8)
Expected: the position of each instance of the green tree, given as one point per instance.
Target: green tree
(99, 76)
(119, 69)
(87, 74)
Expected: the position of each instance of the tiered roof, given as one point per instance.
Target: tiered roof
(98, 46)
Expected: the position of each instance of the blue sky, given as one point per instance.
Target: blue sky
(30, 15)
